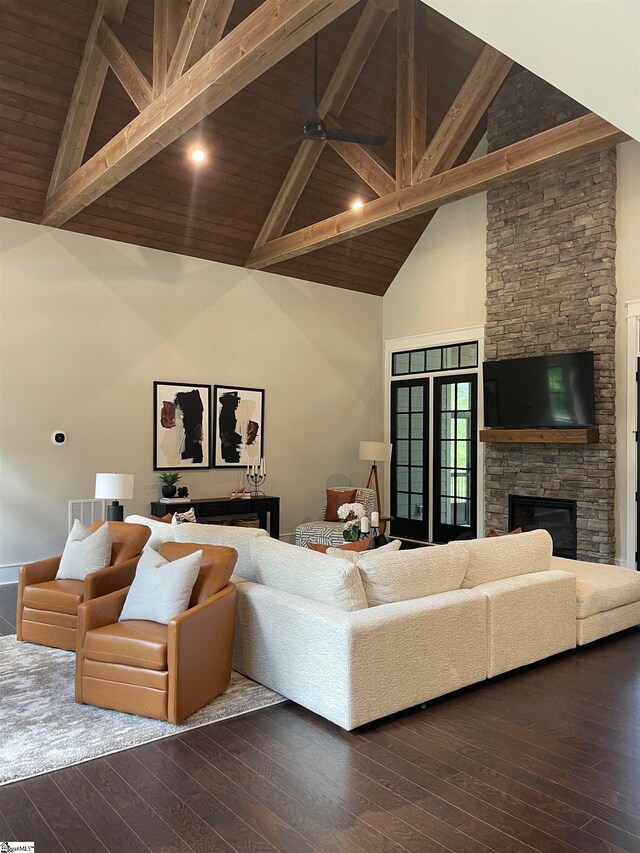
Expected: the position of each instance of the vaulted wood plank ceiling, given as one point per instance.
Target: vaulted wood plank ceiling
(215, 211)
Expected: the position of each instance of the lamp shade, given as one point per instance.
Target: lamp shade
(114, 487)
(375, 451)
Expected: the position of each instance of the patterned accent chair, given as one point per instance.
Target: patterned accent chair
(330, 532)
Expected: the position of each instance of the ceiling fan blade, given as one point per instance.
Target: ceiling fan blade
(285, 144)
(307, 105)
(340, 135)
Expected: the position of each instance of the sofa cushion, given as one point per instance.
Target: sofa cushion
(239, 538)
(133, 643)
(414, 573)
(160, 531)
(63, 596)
(600, 587)
(308, 574)
(505, 556)
(355, 556)
(161, 589)
(85, 551)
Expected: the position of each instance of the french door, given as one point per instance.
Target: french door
(434, 478)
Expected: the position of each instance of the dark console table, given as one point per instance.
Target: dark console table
(210, 510)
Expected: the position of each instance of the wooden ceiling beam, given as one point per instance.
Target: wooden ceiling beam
(133, 80)
(411, 83)
(565, 142)
(364, 163)
(161, 29)
(85, 97)
(267, 35)
(470, 104)
(202, 29)
(340, 86)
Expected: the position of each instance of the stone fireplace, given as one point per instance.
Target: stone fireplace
(551, 288)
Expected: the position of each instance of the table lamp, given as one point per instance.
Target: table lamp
(114, 488)
(374, 452)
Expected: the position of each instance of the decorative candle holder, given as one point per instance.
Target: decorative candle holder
(256, 480)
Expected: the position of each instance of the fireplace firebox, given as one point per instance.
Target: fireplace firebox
(555, 515)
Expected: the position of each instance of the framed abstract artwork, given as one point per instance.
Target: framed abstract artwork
(238, 426)
(181, 426)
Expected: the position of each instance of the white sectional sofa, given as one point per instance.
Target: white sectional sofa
(360, 637)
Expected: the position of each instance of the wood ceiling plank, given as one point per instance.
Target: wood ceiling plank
(261, 40)
(567, 141)
(85, 97)
(471, 103)
(364, 163)
(411, 97)
(333, 100)
(133, 80)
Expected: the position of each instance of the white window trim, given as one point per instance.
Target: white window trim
(633, 353)
(435, 339)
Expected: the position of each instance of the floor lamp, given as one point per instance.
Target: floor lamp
(374, 452)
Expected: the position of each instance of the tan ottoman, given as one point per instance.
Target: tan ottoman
(607, 598)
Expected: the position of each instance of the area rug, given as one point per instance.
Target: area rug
(43, 729)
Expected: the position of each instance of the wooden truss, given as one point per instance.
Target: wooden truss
(424, 177)
(195, 71)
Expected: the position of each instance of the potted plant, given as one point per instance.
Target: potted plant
(351, 514)
(169, 480)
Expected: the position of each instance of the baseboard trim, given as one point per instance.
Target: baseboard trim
(9, 573)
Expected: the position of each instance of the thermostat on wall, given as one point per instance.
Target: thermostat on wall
(58, 437)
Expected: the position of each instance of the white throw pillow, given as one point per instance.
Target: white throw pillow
(356, 556)
(308, 574)
(500, 557)
(184, 517)
(239, 538)
(409, 574)
(160, 530)
(160, 589)
(85, 552)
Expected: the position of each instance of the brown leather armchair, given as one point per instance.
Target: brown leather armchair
(161, 671)
(47, 610)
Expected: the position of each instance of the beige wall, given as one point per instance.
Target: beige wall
(628, 285)
(441, 286)
(88, 324)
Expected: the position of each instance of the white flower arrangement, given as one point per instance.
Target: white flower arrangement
(351, 514)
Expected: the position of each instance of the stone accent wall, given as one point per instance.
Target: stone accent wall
(551, 288)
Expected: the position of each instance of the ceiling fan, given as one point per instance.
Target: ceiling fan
(313, 127)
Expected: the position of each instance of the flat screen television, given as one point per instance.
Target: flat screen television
(554, 391)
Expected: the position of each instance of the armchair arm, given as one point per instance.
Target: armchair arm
(199, 650)
(39, 572)
(95, 614)
(110, 579)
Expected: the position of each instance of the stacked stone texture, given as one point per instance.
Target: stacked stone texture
(551, 287)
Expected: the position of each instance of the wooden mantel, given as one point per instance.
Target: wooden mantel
(584, 435)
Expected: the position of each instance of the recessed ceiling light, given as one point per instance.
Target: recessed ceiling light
(197, 155)
(357, 204)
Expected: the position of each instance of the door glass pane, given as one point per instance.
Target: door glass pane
(447, 510)
(417, 361)
(400, 363)
(417, 398)
(449, 397)
(434, 359)
(416, 480)
(463, 425)
(448, 425)
(417, 425)
(402, 426)
(402, 452)
(416, 453)
(448, 454)
(402, 400)
(416, 507)
(463, 455)
(448, 482)
(464, 395)
(463, 513)
(462, 484)
(402, 505)
(402, 479)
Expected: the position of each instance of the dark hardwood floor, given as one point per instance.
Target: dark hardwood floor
(547, 759)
